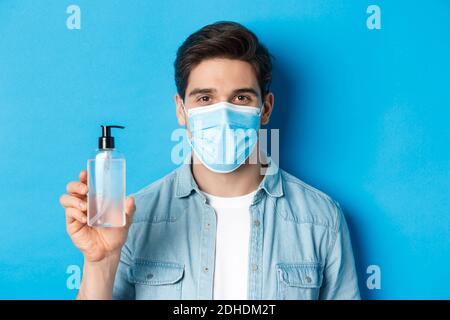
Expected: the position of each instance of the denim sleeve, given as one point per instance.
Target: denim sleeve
(340, 278)
(123, 289)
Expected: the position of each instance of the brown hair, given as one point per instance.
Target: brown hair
(224, 39)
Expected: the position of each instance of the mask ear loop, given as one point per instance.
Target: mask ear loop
(259, 114)
(261, 108)
(184, 108)
(186, 116)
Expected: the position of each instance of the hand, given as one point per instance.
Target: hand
(95, 243)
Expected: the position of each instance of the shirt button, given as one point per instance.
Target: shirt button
(205, 269)
(257, 223)
(308, 279)
(254, 267)
(149, 276)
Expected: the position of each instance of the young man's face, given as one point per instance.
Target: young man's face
(221, 79)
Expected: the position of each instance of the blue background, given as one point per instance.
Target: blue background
(363, 116)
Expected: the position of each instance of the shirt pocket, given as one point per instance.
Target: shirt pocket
(299, 281)
(156, 280)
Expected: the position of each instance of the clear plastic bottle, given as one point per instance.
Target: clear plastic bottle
(107, 184)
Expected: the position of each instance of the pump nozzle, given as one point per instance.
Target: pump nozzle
(106, 141)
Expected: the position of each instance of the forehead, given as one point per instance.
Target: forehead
(222, 74)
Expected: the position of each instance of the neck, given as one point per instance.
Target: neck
(241, 181)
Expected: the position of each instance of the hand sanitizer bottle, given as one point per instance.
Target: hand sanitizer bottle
(106, 184)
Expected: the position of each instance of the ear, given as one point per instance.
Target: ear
(269, 100)
(179, 111)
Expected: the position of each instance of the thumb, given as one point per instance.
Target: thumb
(130, 208)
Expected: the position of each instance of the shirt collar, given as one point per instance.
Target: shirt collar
(271, 183)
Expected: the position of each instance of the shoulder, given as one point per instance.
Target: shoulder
(304, 203)
(157, 194)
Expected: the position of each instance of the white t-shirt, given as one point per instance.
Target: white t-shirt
(232, 241)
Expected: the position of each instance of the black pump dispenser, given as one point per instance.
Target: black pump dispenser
(106, 141)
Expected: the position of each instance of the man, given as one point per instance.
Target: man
(224, 226)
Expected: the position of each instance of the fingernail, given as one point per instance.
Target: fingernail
(82, 205)
(83, 219)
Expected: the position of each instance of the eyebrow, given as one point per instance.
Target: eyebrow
(201, 90)
(212, 90)
(246, 90)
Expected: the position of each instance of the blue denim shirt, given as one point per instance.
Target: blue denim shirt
(299, 246)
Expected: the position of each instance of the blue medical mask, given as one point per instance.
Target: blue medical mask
(223, 134)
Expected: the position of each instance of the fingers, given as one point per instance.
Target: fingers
(83, 176)
(72, 224)
(69, 201)
(74, 202)
(75, 214)
(130, 208)
(77, 188)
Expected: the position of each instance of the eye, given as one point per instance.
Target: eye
(204, 99)
(243, 99)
